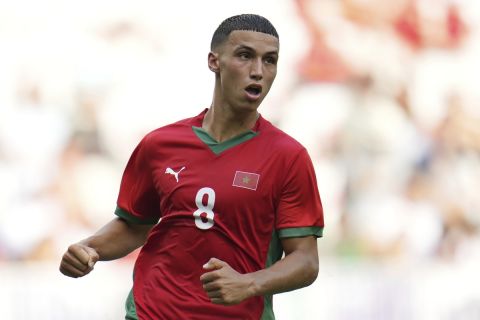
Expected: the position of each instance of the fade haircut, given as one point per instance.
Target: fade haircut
(242, 22)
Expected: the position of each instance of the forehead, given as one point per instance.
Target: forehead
(258, 41)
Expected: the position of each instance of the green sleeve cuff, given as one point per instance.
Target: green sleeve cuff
(133, 219)
(300, 232)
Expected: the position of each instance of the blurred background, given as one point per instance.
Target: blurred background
(384, 95)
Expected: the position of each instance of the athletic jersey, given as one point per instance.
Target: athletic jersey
(232, 200)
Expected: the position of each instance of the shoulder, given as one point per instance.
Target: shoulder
(170, 131)
(284, 151)
(280, 140)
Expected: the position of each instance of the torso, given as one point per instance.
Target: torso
(237, 189)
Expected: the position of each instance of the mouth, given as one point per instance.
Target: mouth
(254, 90)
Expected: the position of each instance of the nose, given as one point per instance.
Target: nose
(256, 70)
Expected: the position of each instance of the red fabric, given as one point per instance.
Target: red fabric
(241, 220)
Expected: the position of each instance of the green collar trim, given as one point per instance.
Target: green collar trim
(219, 147)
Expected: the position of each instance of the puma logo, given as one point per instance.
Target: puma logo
(175, 174)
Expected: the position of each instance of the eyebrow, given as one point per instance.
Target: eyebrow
(245, 47)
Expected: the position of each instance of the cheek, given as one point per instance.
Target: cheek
(236, 70)
(272, 73)
(231, 77)
(270, 77)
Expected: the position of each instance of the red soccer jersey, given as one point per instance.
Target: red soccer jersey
(232, 200)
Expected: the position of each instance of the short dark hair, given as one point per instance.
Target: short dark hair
(242, 22)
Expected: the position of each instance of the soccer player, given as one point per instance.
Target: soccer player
(216, 199)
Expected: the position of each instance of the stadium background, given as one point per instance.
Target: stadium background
(384, 94)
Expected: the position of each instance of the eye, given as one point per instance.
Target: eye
(244, 55)
(270, 60)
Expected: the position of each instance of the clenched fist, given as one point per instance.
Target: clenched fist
(224, 285)
(78, 260)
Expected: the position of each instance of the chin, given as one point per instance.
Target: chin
(248, 107)
(252, 105)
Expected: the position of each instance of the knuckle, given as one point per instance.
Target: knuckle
(72, 248)
(223, 294)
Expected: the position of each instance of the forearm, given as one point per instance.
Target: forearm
(117, 239)
(296, 270)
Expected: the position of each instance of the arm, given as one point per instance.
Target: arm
(298, 269)
(114, 240)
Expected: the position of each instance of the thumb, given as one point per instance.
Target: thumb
(214, 263)
(93, 256)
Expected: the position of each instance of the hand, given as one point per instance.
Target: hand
(78, 260)
(224, 285)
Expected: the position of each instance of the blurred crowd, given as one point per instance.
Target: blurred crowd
(382, 95)
(386, 101)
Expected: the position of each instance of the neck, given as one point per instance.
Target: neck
(223, 124)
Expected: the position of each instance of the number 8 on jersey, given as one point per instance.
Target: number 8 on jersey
(208, 209)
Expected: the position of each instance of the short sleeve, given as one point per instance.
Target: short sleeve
(300, 211)
(138, 200)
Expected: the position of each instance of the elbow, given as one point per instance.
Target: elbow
(311, 272)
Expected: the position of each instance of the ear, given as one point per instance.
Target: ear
(213, 63)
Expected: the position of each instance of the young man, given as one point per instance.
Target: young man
(232, 193)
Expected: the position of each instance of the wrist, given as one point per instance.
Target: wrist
(86, 242)
(254, 287)
(89, 243)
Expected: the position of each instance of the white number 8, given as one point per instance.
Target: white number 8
(208, 209)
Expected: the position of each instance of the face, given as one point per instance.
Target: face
(245, 67)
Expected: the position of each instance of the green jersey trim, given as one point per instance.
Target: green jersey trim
(130, 307)
(275, 253)
(131, 218)
(300, 232)
(219, 147)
